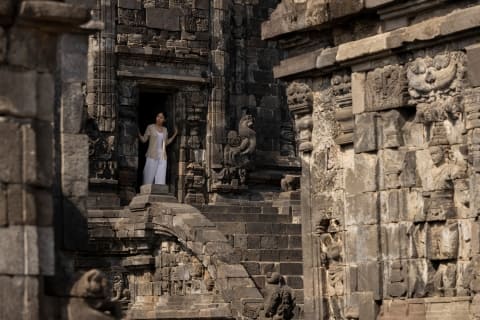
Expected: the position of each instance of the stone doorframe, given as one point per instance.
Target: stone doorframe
(189, 98)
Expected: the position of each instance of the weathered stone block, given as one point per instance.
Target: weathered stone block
(3, 205)
(6, 11)
(129, 4)
(362, 209)
(364, 133)
(72, 104)
(19, 253)
(3, 44)
(369, 277)
(397, 169)
(393, 205)
(447, 310)
(47, 11)
(154, 189)
(21, 205)
(165, 19)
(11, 148)
(46, 97)
(442, 241)
(417, 278)
(395, 240)
(19, 294)
(376, 3)
(18, 92)
(74, 165)
(358, 92)
(363, 176)
(368, 246)
(24, 41)
(201, 4)
(473, 72)
(386, 88)
(46, 251)
(43, 154)
(72, 57)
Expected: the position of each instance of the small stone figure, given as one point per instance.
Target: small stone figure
(282, 301)
(91, 300)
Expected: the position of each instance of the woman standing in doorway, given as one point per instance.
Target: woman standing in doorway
(157, 136)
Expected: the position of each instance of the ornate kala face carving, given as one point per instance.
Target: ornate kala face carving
(427, 76)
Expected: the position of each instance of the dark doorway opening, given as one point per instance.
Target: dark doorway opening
(149, 105)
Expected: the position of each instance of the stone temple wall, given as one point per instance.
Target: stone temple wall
(385, 110)
(209, 67)
(44, 167)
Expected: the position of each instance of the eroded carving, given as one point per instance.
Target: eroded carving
(331, 258)
(386, 88)
(238, 156)
(91, 299)
(300, 103)
(290, 182)
(281, 302)
(342, 96)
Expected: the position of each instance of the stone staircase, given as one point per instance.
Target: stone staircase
(264, 240)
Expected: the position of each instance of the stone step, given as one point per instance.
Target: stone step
(265, 241)
(238, 209)
(248, 217)
(258, 228)
(270, 255)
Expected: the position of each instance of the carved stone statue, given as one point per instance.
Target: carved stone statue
(290, 182)
(91, 299)
(281, 302)
(238, 155)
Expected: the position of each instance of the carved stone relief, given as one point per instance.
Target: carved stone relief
(280, 303)
(91, 298)
(330, 238)
(300, 103)
(174, 272)
(386, 88)
(342, 93)
(238, 156)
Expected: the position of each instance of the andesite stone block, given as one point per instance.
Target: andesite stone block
(365, 135)
(19, 293)
(473, 71)
(11, 164)
(165, 19)
(18, 94)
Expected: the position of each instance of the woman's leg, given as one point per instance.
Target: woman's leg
(149, 171)
(161, 172)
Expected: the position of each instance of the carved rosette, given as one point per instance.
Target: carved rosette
(300, 103)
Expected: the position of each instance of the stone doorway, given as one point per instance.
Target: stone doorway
(150, 103)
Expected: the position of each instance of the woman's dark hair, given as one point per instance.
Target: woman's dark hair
(164, 114)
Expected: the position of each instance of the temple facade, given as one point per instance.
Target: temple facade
(326, 163)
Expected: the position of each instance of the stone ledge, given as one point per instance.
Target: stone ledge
(54, 12)
(381, 44)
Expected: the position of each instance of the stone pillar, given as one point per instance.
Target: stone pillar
(220, 19)
(33, 74)
(102, 103)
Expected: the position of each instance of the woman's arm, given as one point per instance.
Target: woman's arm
(169, 140)
(145, 137)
